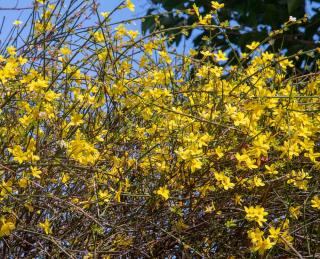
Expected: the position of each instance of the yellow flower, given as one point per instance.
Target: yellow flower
(23, 182)
(29, 207)
(271, 169)
(98, 36)
(219, 151)
(257, 181)
(274, 233)
(17, 22)
(256, 214)
(253, 45)
(51, 95)
(299, 179)
(65, 51)
(255, 235)
(18, 154)
(295, 211)
(82, 151)
(237, 199)
(6, 188)
(315, 202)
(164, 192)
(65, 178)
(6, 227)
(11, 50)
(37, 85)
(206, 19)
(35, 172)
(130, 5)
(104, 195)
(247, 159)
(210, 208)
(216, 6)
(223, 180)
(76, 120)
(206, 53)
(259, 243)
(195, 164)
(46, 226)
(104, 14)
(149, 46)
(41, 26)
(230, 223)
(196, 9)
(165, 56)
(263, 245)
(220, 56)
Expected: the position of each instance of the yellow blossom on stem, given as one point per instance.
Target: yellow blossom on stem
(315, 202)
(295, 211)
(224, 181)
(11, 50)
(220, 56)
(216, 6)
(46, 226)
(35, 172)
(65, 51)
(253, 45)
(17, 22)
(256, 213)
(81, 150)
(259, 243)
(6, 227)
(130, 5)
(164, 192)
(238, 199)
(274, 233)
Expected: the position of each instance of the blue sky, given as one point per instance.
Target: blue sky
(141, 6)
(9, 16)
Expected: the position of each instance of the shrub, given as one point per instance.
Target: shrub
(113, 145)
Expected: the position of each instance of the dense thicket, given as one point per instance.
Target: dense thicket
(113, 144)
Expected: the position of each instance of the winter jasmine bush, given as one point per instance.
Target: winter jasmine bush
(113, 144)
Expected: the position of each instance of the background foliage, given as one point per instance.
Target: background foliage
(255, 20)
